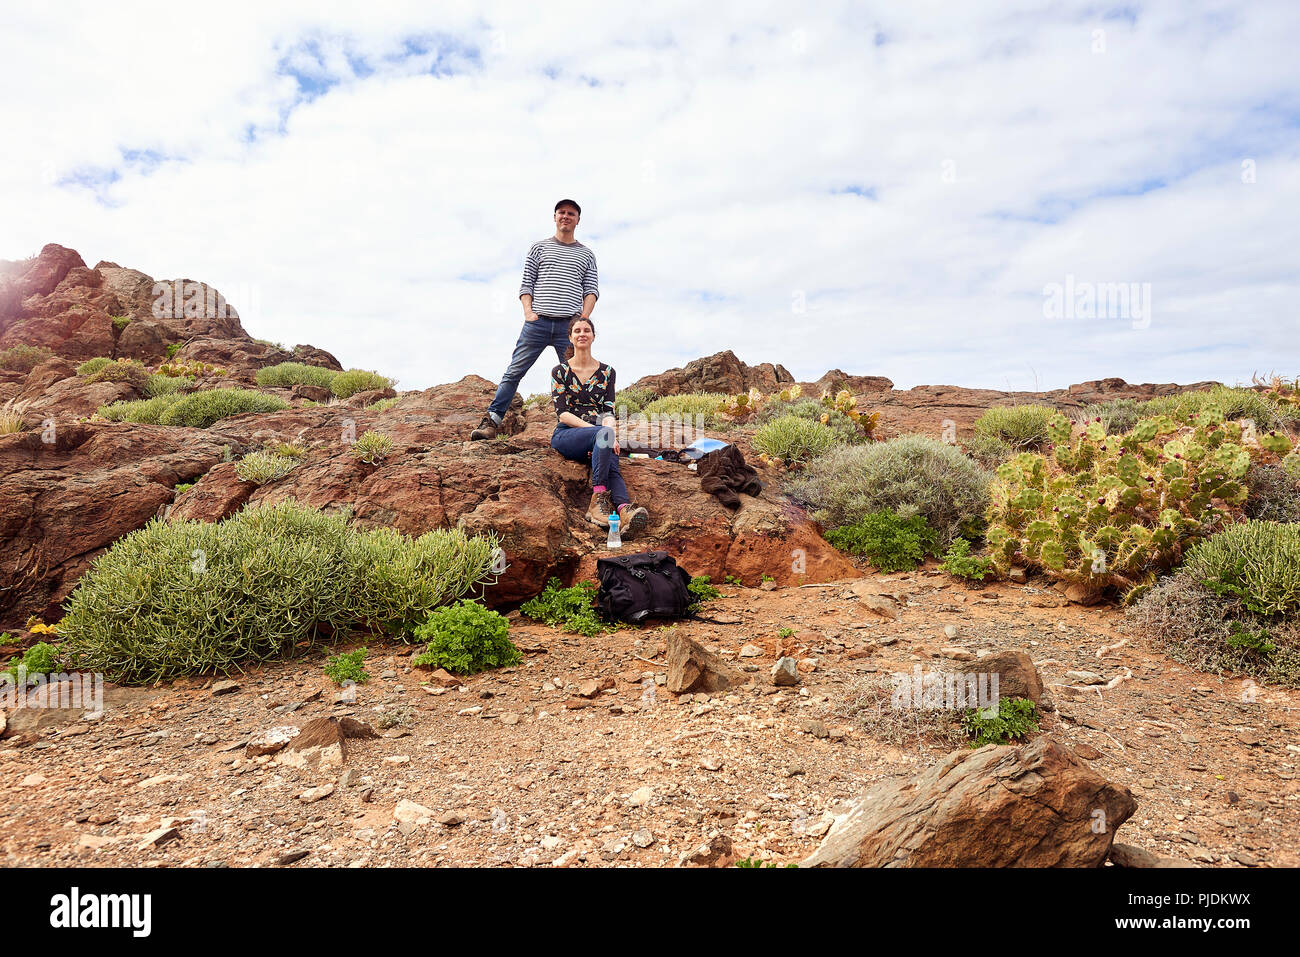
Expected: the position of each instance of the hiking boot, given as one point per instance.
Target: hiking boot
(599, 509)
(487, 429)
(634, 520)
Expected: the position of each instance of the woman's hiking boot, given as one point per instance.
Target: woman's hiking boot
(487, 429)
(634, 520)
(599, 509)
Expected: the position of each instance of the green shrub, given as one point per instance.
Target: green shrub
(1114, 511)
(1117, 415)
(700, 587)
(756, 863)
(572, 609)
(1216, 633)
(466, 638)
(183, 487)
(348, 666)
(91, 366)
(157, 385)
(344, 384)
(732, 580)
(686, 404)
(290, 449)
(988, 450)
(41, 658)
(890, 543)
(23, 358)
(1274, 494)
(379, 405)
(785, 633)
(144, 411)
(793, 440)
(200, 409)
(189, 597)
(909, 475)
(1020, 426)
(631, 400)
(289, 374)
(263, 467)
(131, 371)
(846, 429)
(960, 562)
(372, 447)
(120, 322)
(1016, 719)
(174, 348)
(1228, 402)
(1256, 562)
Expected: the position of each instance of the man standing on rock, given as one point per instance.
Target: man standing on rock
(559, 283)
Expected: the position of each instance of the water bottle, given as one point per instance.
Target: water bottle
(615, 540)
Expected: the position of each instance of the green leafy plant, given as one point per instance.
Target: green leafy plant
(348, 666)
(174, 348)
(703, 590)
(1019, 426)
(572, 609)
(732, 580)
(201, 409)
(1016, 719)
(1256, 640)
(785, 633)
(765, 578)
(960, 562)
(188, 597)
(120, 322)
(91, 366)
(23, 358)
(372, 447)
(889, 542)
(289, 374)
(466, 638)
(263, 467)
(349, 383)
(41, 658)
(183, 487)
(759, 864)
(793, 441)
(914, 474)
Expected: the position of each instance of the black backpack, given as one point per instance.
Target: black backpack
(642, 585)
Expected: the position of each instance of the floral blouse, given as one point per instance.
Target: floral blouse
(589, 401)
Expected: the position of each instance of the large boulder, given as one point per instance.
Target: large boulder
(722, 372)
(1037, 805)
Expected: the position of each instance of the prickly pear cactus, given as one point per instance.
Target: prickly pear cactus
(1112, 511)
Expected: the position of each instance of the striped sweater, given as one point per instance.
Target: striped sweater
(557, 275)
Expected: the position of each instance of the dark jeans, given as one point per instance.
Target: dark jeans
(533, 340)
(574, 443)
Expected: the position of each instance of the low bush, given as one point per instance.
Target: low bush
(349, 383)
(466, 638)
(200, 409)
(23, 358)
(846, 430)
(1020, 426)
(572, 609)
(157, 385)
(1216, 633)
(890, 543)
(289, 374)
(911, 475)
(988, 450)
(631, 400)
(873, 706)
(688, 403)
(1256, 562)
(1117, 415)
(372, 447)
(11, 415)
(174, 348)
(348, 666)
(379, 405)
(1016, 719)
(91, 366)
(702, 590)
(131, 371)
(1274, 494)
(1228, 402)
(144, 411)
(41, 658)
(189, 597)
(960, 562)
(264, 466)
(192, 368)
(793, 441)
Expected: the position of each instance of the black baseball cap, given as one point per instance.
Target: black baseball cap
(567, 202)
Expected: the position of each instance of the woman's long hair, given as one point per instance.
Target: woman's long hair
(568, 354)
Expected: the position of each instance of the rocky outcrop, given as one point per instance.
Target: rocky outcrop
(1038, 805)
(835, 380)
(722, 372)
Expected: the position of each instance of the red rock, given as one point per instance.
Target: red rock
(722, 372)
(692, 668)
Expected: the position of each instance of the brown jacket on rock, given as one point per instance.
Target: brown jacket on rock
(723, 473)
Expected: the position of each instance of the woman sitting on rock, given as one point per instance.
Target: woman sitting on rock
(582, 390)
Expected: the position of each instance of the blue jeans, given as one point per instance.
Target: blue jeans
(533, 340)
(574, 443)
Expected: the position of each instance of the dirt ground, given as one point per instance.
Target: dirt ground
(517, 768)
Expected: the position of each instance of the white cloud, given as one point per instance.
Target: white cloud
(382, 211)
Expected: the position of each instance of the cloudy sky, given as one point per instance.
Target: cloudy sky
(890, 189)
